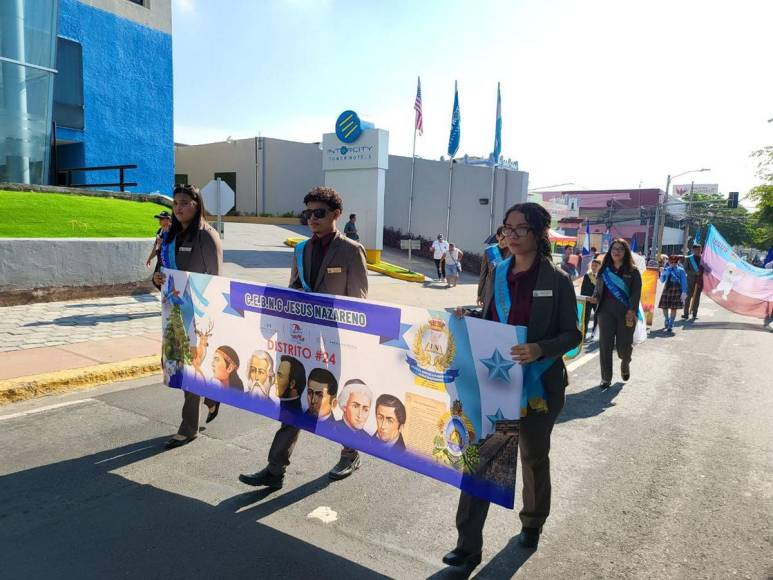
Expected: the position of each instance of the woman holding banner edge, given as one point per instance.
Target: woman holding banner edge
(617, 297)
(527, 290)
(191, 245)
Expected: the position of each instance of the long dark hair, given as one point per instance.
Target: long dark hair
(193, 192)
(538, 219)
(628, 264)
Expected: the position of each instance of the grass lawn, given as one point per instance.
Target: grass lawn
(53, 215)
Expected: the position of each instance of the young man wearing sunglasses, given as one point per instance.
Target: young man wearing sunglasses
(330, 264)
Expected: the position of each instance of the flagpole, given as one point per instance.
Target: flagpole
(450, 185)
(410, 199)
(491, 199)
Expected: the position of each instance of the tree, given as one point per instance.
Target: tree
(734, 224)
(762, 195)
(177, 346)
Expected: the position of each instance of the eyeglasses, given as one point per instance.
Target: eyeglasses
(318, 213)
(617, 249)
(516, 232)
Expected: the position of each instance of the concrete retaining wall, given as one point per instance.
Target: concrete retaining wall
(27, 263)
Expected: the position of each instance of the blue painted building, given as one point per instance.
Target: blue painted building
(108, 92)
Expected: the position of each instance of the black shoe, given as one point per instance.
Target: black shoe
(344, 468)
(625, 370)
(605, 385)
(460, 558)
(263, 478)
(694, 316)
(684, 317)
(174, 443)
(529, 537)
(213, 413)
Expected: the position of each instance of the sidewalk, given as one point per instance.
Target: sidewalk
(55, 346)
(51, 346)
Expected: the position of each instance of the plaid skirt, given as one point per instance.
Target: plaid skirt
(672, 296)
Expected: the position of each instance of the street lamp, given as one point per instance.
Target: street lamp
(658, 235)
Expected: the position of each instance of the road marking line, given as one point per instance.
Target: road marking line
(323, 514)
(125, 454)
(48, 408)
(581, 361)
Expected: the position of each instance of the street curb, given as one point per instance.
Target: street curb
(30, 387)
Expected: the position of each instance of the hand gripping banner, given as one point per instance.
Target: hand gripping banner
(419, 388)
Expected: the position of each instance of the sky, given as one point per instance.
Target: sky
(595, 93)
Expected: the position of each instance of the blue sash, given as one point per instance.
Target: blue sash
(494, 254)
(299, 263)
(167, 253)
(533, 391)
(502, 300)
(618, 289)
(693, 263)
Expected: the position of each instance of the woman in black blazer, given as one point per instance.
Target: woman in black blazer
(193, 246)
(542, 298)
(617, 296)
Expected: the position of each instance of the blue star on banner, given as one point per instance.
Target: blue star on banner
(498, 366)
(497, 417)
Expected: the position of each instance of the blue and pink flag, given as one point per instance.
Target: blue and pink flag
(732, 282)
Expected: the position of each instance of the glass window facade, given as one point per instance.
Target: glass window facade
(68, 85)
(27, 60)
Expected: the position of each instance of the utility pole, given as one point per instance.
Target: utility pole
(687, 221)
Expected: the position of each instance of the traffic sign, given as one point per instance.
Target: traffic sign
(410, 244)
(218, 204)
(219, 198)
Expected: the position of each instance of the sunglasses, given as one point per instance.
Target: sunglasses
(318, 213)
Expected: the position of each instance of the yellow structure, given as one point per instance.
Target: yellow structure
(376, 265)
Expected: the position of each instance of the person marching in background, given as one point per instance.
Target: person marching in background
(494, 254)
(694, 269)
(587, 289)
(617, 296)
(674, 290)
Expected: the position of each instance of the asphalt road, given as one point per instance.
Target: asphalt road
(669, 476)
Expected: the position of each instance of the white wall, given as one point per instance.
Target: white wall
(469, 224)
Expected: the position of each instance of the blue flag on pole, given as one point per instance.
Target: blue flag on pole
(456, 121)
(634, 246)
(498, 131)
(586, 241)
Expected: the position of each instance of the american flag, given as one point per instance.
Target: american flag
(417, 106)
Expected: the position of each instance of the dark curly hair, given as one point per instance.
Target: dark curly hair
(327, 195)
(538, 219)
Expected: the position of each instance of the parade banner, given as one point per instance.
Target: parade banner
(732, 282)
(582, 304)
(649, 290)
(420, 388)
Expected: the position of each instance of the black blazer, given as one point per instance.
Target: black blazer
(553, 319)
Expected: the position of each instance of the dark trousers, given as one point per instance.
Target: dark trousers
(441, 268)
(282, 448)
(693, 300)
(613, 334)
(190, 415)
(534, 449)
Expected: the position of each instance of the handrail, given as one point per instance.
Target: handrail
(122, 183)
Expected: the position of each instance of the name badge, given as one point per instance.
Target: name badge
(542, 293)
(334, 270)
(186, 249)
